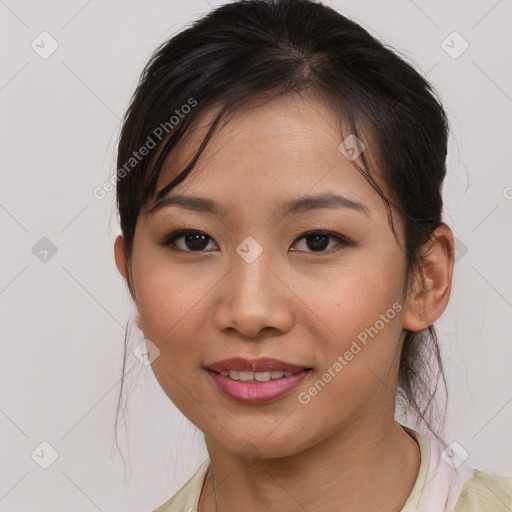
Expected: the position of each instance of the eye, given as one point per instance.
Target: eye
(193, 240)
(318, 241)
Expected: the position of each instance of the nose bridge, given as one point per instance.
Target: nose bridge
(252, 275)
(255, 297)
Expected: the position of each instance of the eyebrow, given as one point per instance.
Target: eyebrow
(326, 200)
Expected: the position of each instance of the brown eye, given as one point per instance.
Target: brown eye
(193, 240)
(318, 241)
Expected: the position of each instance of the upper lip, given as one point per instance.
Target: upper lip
(263, 364)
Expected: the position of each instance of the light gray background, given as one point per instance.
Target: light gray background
(63, 320)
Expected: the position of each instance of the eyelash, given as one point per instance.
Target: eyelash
(170, 239)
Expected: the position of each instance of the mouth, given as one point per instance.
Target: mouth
(256, 381)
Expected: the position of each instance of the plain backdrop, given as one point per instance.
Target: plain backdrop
(64, 307)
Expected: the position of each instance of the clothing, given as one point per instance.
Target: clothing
(438, 487)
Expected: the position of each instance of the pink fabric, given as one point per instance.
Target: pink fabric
(444, 480)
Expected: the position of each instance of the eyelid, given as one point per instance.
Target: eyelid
(170, 238)
(325, 232)
(343, 241)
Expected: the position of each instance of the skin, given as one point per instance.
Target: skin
(342, 451)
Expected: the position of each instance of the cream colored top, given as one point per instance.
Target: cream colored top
(442, 485)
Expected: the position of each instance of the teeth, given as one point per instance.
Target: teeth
(258, 376)
(246, 375)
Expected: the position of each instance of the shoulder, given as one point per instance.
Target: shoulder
(485, 492)
(445, 482)
(186, 498)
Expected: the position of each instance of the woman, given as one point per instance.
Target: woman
(279, 191)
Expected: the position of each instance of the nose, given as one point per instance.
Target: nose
(254, 300)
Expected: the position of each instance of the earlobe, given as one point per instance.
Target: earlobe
(432, 283)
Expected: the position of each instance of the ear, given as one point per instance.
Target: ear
(432, 282)
(122, 263)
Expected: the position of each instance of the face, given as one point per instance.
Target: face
(324, 292)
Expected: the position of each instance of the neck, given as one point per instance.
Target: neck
(362, 467)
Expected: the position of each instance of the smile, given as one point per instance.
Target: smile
(257, 387)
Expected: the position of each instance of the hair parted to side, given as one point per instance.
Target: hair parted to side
(274, 47)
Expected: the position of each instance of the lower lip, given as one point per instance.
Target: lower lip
(257, 392)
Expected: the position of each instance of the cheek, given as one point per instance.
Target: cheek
(171, 307)
(353, 296)
(363, 303)
(170, 297)
(362, 308)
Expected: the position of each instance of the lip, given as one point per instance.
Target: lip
(253, 392)
(263, 364)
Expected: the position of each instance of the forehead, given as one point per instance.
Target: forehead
(289, 141)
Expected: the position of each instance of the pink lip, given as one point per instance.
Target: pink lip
(257, 392)
(263, 364)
